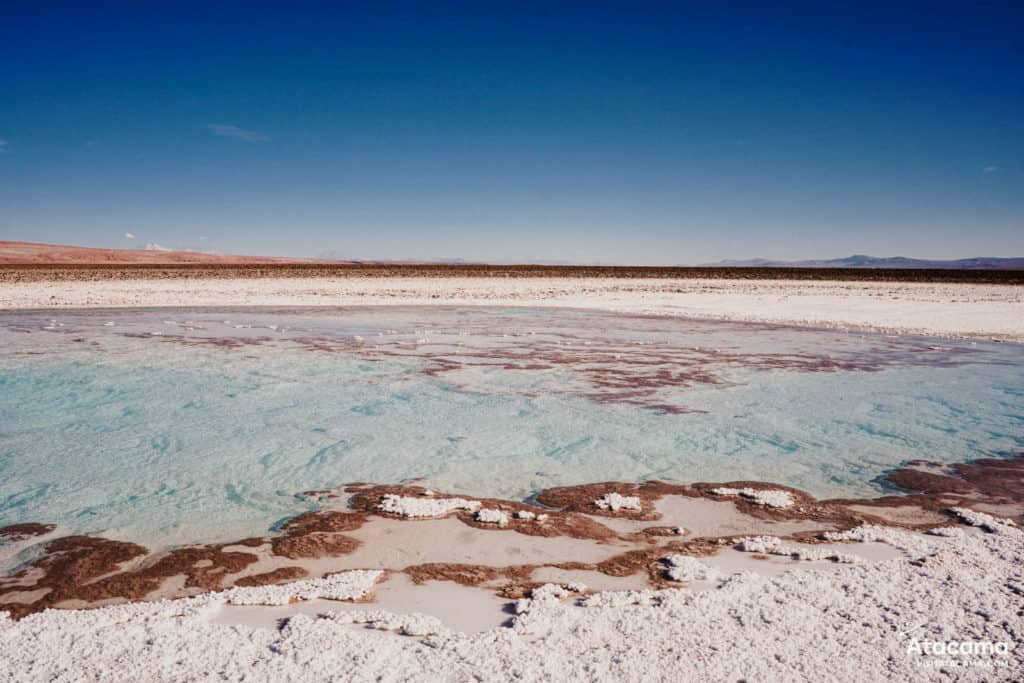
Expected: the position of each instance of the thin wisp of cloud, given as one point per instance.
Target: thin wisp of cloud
(229, 131)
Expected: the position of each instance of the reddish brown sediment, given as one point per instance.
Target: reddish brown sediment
(583, 498)
(518, 582)
(986, 482)
(927, 482)
(26, 530)
(279, 575)
(323, 520)
(85, 568)
(313, 545)
(465, 574)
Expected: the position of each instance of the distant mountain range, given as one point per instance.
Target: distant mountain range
(864, 261)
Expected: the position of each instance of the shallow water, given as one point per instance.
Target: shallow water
(203, 425)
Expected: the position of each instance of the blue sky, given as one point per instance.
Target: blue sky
(661, 133)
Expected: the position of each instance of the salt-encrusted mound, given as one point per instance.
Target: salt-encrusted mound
(687, 568)
(344, 586)
(983, 520)
(772, 545)
(616, 501)
(411, 506)
(855, 623)
(773, 498)
(492, 516)
(547, 594)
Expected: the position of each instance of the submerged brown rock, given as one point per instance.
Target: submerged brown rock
(20, 532)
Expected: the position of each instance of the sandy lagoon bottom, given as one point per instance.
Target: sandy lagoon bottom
(192, 470)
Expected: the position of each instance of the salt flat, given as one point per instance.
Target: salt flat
(982, 311)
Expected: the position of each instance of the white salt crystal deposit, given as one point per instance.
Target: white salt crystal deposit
(983, 520)
(344, 586)
(772, 545)
(850, 623)
(773, 498)
(491, 516)
(615, 502)
(687, 568)
(409, 506)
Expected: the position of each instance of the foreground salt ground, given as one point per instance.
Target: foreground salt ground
(935, 309)
(861, 622)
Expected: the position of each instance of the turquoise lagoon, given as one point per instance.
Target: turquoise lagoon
(176, 426)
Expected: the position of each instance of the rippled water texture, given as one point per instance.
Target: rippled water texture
(179, 426)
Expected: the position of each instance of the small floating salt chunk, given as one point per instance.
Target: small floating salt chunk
(491, 516)
(108, 324)
(408, 506)
(525, 514)
(687, 568)
(615, 502)
(983, 520)
(773, 498)
(679, 531)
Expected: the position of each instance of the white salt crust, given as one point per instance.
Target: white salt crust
(983, 520)
(491, 516)
(854, 623)
(410, 506)
(616, 501)
(772, 545)
(686, 568)
(932, 309)
(772, 498)
(344, 586)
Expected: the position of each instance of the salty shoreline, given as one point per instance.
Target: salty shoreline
(609, 569)
(975, 311)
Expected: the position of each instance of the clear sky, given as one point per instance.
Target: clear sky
(661, 133)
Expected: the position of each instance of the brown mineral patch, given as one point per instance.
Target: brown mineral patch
(928, 482)
(465, 574)
(279, 575)
(70, 563)
(313, 545)
(84, 568)
(582, 499)
(20, 532)
(326, 520)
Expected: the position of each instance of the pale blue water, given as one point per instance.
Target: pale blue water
(169, 439)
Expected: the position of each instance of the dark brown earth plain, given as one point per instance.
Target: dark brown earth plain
(32, 262)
